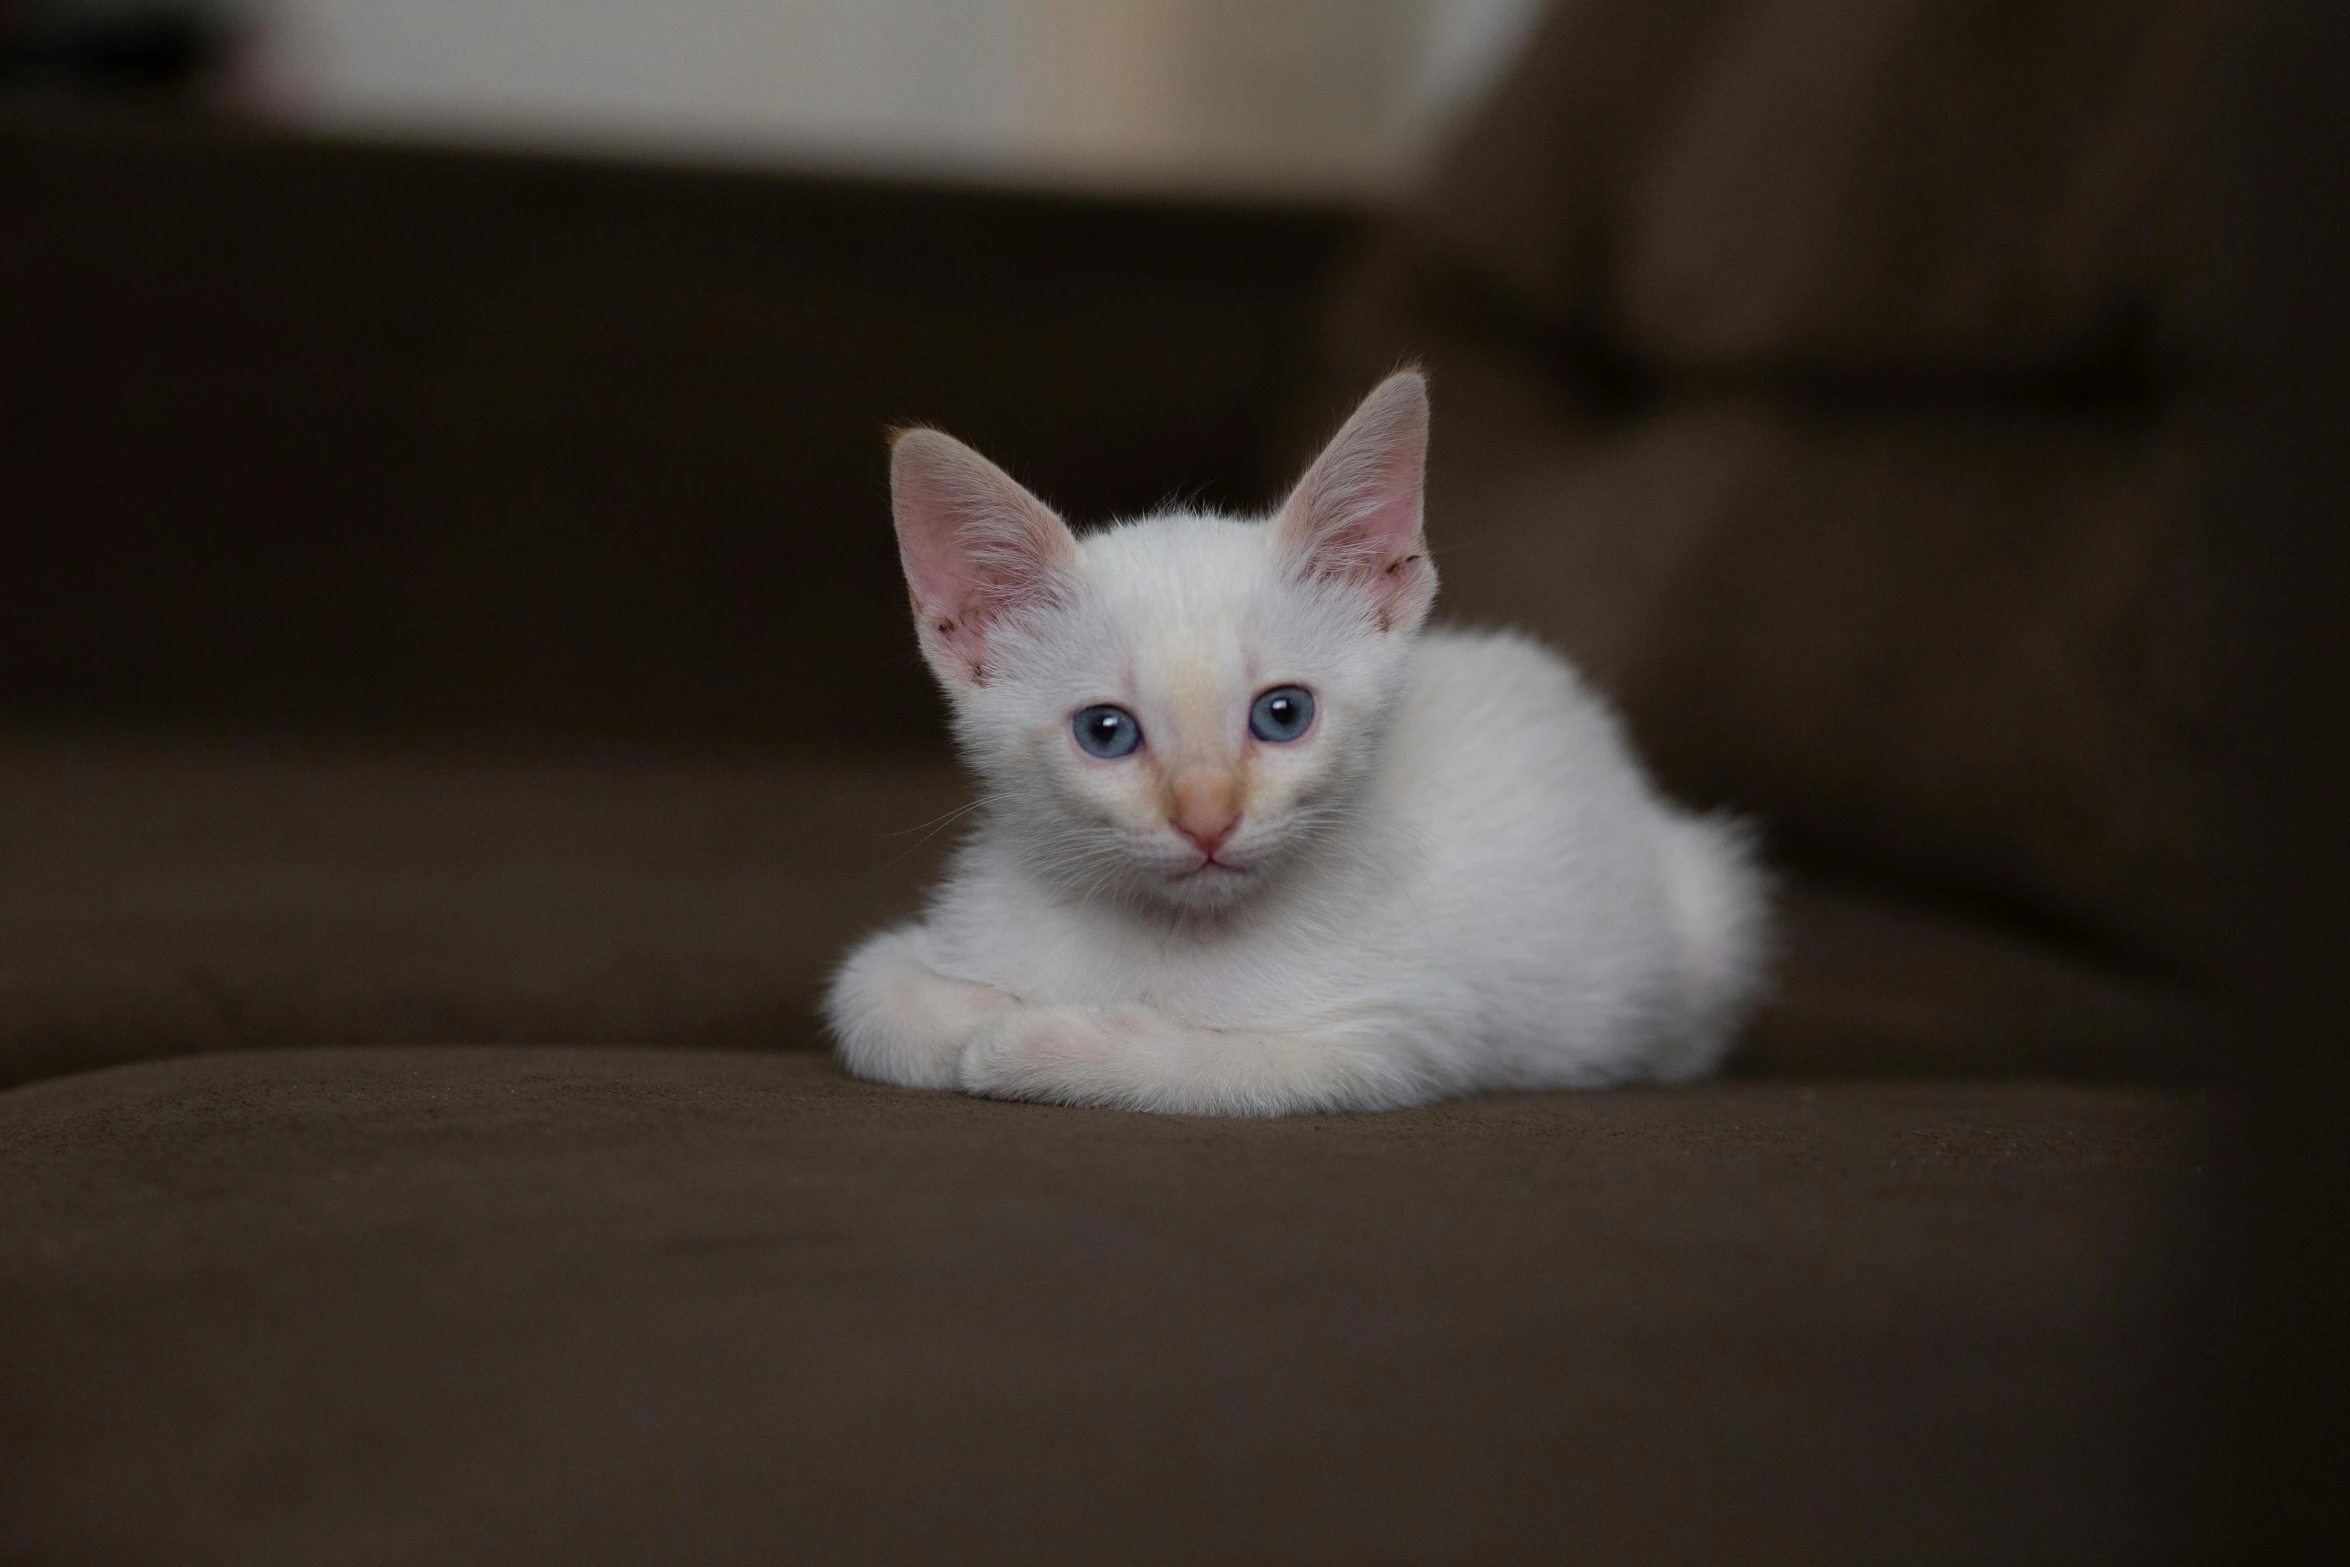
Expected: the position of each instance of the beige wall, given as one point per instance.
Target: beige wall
(1332, 95)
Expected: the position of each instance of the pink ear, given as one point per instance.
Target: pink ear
(976, 547)
(1355, 516)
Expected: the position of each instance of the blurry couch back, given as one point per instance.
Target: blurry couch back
(1831, 376)
(330, 435)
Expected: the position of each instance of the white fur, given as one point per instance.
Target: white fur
(1459, 879)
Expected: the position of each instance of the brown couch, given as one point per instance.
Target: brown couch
(459, 703)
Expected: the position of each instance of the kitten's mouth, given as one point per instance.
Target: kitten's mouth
(1211, 868)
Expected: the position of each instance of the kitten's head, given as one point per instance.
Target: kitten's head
(1170, 710)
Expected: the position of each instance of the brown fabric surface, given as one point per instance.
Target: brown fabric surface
(489, 1305)
(165, 899)
(1978, 185)
(1871, 985)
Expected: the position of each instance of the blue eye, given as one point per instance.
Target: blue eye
(1282, 714)
(1106, 731)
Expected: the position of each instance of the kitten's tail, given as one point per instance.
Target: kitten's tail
(1720, 903)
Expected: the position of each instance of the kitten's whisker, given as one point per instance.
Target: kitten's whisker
(937, 821)
(936, 827)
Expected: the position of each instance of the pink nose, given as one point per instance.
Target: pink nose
(1210, 840)
(1207, 808)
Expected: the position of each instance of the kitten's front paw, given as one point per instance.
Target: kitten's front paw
(898, 1020)
(1066, 1055)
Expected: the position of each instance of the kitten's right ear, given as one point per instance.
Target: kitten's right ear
(1355, 516)
(976, 546)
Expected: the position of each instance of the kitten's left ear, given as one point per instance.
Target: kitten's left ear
(977, 548)
(1355, 516)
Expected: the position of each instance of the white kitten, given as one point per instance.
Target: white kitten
(1251, 843)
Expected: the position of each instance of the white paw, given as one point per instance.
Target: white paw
(1065, 1054)
(939, 1017)
(900, 1022)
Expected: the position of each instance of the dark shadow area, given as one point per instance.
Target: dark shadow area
(351, 436)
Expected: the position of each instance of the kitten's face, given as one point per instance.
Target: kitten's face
(1187, 720)
(1174, 710)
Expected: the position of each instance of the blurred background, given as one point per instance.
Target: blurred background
(447, 595)
(1332, 96)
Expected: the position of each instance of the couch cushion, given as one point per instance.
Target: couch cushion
(468, 1305)
(165, 899)
(1870, 984)
(1974, 186)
